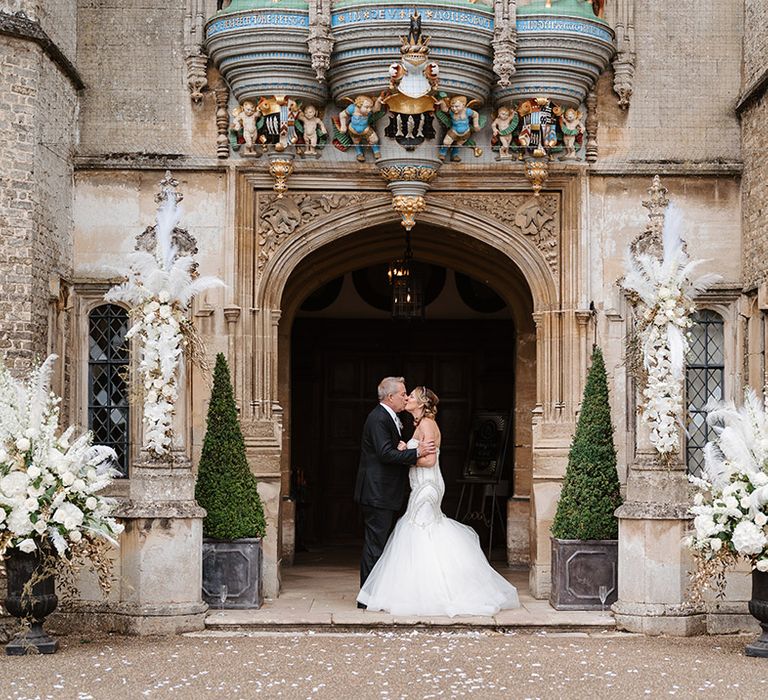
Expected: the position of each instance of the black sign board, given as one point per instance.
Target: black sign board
(487, 446)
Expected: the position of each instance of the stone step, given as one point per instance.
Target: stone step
(545, 619)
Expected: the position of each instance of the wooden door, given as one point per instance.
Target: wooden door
(337, 365)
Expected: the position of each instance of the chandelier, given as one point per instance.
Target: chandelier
(407, 297)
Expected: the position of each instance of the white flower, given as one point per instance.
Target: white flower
(67, 478)
(715, 544)
(30, 433)
(33, 472)
(14, 484)
(760, 519)
(22, 444)
(75, 536)
(69, 515)
(27, 546)
(705, 525)
(19, 522)
(31, 504)
(748, 538)
(762, 565)
(91, 503)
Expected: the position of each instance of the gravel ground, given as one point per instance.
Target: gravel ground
(403, 664)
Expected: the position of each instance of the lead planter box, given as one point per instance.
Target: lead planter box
(579, 568)
(235, 564)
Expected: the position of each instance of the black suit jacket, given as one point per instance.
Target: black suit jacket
(381, 478)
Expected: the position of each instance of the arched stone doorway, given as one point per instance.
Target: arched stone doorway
(525, 247)
(331, 365)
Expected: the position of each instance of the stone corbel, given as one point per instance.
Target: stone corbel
(194, 53)
(624, 61)
(320, 39)
(504, 39)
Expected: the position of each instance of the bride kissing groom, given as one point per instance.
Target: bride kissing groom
(429, 564)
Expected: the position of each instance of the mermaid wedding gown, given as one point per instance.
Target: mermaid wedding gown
(433, 565)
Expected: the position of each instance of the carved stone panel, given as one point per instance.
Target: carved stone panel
(279, 217)
(537, 218)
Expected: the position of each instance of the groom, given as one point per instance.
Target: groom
(381, 479)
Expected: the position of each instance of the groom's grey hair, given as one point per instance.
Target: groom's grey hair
(388, 386)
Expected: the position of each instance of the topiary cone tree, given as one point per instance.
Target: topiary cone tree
(226, 487)
(590, 492)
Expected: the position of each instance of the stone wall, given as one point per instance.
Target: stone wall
(131, 56)
(686, 83)
(754, 144)
(36, 146)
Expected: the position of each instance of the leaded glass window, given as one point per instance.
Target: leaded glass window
(108, 409)
(703, 382)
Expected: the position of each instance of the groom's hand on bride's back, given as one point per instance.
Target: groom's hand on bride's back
(401, 446)
(426, 447)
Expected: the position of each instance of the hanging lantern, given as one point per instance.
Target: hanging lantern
(407, 295)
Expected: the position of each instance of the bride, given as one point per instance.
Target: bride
(433, 565)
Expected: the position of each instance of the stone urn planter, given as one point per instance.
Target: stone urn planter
(232, 573)
(31, 606)
(579, 569)
(758, 608)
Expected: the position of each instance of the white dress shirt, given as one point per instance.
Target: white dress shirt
(398, 423)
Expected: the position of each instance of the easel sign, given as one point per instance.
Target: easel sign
(487, 447)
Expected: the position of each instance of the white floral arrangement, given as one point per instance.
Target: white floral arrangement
(159, 289)
(665, 289)
(731, 498)
(50, 482)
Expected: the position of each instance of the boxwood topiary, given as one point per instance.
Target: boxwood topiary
(590, 492)
(226, 487)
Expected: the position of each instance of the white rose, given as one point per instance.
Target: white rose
(759, 478)
(14, 484)
(40, 526)
(75, 536)
(762, 565)
(761, 519)
(67, 478)
(78, 485)
(748, 538)
(22, 444)
(153, 306)
(715, 543)
(27, 546)
(69, 515)
(705, 525)
(34, 471)
(31, 504)
(91, 503)
(19, 522)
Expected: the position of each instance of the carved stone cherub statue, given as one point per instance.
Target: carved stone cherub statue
(502, 127)
(355, 125)
(570, 125)
(462, 121)
(313, 127)
(245, 125)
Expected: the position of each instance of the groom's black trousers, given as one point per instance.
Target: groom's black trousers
(379, 523)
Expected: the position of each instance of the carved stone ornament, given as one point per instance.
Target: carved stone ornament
(537, 172)
(221, 92)
(408, 172)
(591, 125)
(320, 39)
(280, 168)
(650, 241)
(624, 61)
(534, 217)
(408, 205)
(279, 217)
(504, 40)
(196, 59)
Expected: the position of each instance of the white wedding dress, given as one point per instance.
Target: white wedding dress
(433, 565)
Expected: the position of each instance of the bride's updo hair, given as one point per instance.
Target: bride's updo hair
(428, 400)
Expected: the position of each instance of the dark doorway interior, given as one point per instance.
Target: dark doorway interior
(336, 366)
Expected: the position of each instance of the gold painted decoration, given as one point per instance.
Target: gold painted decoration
(281, 168)
(408, 205)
